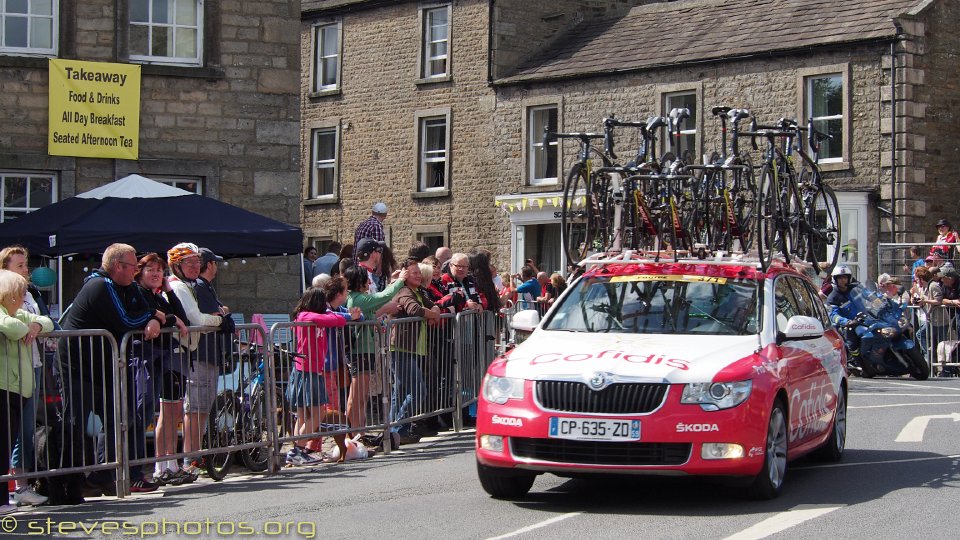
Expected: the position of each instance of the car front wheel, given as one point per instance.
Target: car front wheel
(769, 482)
(504, 484)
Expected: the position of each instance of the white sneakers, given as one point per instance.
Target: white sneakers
(27, 496)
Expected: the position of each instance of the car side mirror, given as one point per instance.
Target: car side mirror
(801, 327)
(526, 320)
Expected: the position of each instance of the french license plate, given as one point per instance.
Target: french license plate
(594, 429)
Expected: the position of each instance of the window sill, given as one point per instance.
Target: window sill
(436, 194)
(542, 188)
(182, 71)
(324, 93)
(834, 167)
(24, 61)
(433, 80)
(326, 201)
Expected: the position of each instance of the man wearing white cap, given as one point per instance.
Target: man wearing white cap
(372, 227)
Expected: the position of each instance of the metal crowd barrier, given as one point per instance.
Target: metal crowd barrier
(113, 420)
(937, 336)
(72, 424)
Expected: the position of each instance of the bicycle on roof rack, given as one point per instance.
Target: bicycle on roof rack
(797, 214)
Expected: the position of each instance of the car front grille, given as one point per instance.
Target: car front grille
(600, 453)
(618, 398)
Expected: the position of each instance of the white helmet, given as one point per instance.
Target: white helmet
(841, 270)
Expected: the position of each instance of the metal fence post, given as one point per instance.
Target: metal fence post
(386, 378)
(457, 374)
(120, 420)
(270, 393)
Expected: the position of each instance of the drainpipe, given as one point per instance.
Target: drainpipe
(893, 130)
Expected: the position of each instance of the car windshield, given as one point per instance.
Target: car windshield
(659, 304)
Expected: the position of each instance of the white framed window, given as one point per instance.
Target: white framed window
(541, 161)
(29, 27)
(323, 160)
(24, 192)
(166, 31)
(326, 58)
(186, 183)
(433, 239)
(435, 61)
(825, 104)
(688, 127)
(434, 162)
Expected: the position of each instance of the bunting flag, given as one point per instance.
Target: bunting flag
(539, 203)
(497, 203)
(523, 204)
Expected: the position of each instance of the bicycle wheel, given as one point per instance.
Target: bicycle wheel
(220, 434)
(773, 235)
(823, 218)
(576, 221)
(254, 429)
(743, 200)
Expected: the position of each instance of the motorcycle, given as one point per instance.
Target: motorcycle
(895, 351)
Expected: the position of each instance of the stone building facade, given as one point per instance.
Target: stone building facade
(221, 118)
(516, 65)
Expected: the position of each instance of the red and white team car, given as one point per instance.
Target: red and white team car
(692, 367)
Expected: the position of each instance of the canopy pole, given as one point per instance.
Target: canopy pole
(59, 286)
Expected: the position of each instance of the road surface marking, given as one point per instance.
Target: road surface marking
(913, 431)
(889, 405)
(881, 462)
(885, 394)
(535, 526)
(782, 522)
(911, 385)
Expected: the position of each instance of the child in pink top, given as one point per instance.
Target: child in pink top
(307, 391)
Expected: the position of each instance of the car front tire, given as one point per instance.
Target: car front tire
(504, 483)
(769, 481)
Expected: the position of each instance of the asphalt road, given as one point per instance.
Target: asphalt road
(883, 488)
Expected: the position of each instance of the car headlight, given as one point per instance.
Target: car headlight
(716, 396)
(499, 389)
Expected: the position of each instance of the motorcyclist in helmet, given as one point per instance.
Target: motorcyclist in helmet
(844, 308)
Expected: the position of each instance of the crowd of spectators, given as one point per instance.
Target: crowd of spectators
(171, 376)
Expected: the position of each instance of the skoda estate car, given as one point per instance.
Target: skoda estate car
(686, 368)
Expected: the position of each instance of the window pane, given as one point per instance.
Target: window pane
(186, 43)
(438, 67)
(15, 32)
(162, 41)
(436, 135)
(138, 11)
(41, 192)
(684, 101)
(330, 40)
(17, 6)
(161, 11)
(326, 145)
(186, 13)
(438, 23)
(435, 174)
(325, 181)
(42, 7)
(138, 40)
(827, 94)
(438, 49)
(833, 147)
(329, 71)
(15, 191)
(41, 33)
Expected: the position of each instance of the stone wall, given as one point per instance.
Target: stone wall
(234, 121)
(376, 109)
(929, 120)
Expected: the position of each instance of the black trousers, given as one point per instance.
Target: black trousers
(11, 407)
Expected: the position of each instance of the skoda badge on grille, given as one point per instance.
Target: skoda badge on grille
(598, 381)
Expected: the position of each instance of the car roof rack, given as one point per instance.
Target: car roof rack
(686, 257)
